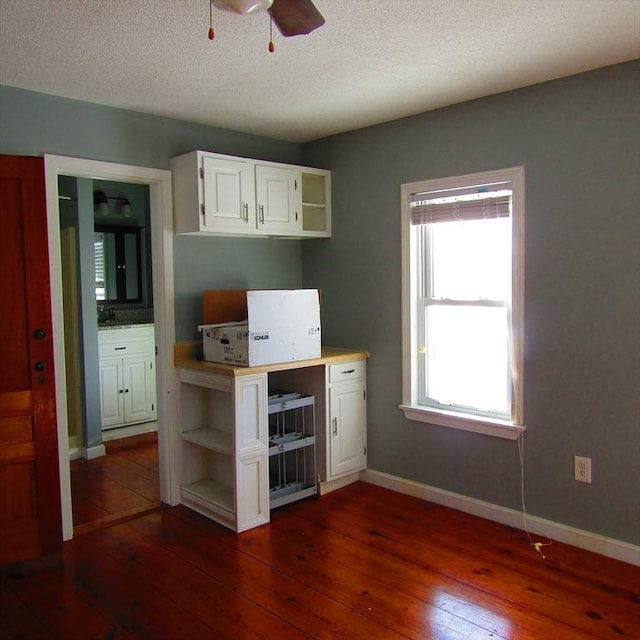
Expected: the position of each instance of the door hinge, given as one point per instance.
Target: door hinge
(152, 406)
(151, 366)
(202, 209)
(202, 173)
(364, 394)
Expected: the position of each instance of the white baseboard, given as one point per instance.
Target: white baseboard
(75, 453)
(328, 487)
(610, 547)
(89, 453)
(131, 430)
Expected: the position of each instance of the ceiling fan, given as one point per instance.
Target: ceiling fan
(291, 17)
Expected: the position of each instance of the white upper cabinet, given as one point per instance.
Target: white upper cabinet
(216, 194)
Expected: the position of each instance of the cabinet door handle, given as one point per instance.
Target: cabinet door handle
(245, 209)
(119, 348)
(335, 426)
(261, 209)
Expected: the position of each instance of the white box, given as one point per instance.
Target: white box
(282, 326)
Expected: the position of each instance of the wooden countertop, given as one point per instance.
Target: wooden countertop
(185, 357)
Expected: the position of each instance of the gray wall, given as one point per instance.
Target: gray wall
(33, 124)
(579, 140)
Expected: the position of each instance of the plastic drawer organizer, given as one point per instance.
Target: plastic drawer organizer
(292, 440)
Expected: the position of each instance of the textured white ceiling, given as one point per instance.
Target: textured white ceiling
(373, 60)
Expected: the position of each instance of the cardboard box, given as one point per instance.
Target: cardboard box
(226, 343)
(281, 325)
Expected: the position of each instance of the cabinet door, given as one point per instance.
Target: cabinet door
(139, 389)
(250, 406)
(252, 491)
(111, 392)
(347, 429)
(278, 198)
(228, 195)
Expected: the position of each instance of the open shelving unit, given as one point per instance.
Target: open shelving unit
(224, 453)
(316, 201)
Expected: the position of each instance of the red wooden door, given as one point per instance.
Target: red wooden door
(30, 518)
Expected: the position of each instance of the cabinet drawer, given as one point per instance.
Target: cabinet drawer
(346, 371)
(126, 342)
(126, 348)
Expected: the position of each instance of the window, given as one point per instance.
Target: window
(98, 255)
(118, 258)
(463, 257)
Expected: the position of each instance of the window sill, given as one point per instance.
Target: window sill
(464, 422)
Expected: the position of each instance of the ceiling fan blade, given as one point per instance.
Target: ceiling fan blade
(295, 17)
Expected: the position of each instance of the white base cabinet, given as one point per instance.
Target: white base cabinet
(347, 419)
(217, 194)
(127, 376)
(341, 409)
(243, 452)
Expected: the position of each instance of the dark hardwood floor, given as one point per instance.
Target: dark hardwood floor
(118, 486)
(361, 563)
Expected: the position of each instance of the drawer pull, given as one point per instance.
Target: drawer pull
(348, 371)
(119, 348)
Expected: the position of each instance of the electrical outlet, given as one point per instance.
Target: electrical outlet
(582, 469)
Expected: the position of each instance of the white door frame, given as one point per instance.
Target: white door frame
(159, 182)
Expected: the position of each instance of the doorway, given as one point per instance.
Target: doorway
(111, 377)
(159, 183)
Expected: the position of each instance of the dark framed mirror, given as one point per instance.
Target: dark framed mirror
(118, 264)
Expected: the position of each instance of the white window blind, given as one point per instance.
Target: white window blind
(428, 208)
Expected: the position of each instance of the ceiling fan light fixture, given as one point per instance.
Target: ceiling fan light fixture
(243, 7)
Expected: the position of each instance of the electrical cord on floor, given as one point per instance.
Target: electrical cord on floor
(537, 545)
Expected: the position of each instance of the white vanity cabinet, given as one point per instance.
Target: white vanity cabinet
(347, 419)
(127, 375)
(217, 194)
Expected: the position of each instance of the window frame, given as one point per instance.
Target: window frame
(509, 428)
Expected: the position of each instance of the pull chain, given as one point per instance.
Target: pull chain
(211, 34)
(271, 45)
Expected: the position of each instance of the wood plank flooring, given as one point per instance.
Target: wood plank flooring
(362, 563)
(118, 486)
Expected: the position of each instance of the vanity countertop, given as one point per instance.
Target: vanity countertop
(124, 325)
